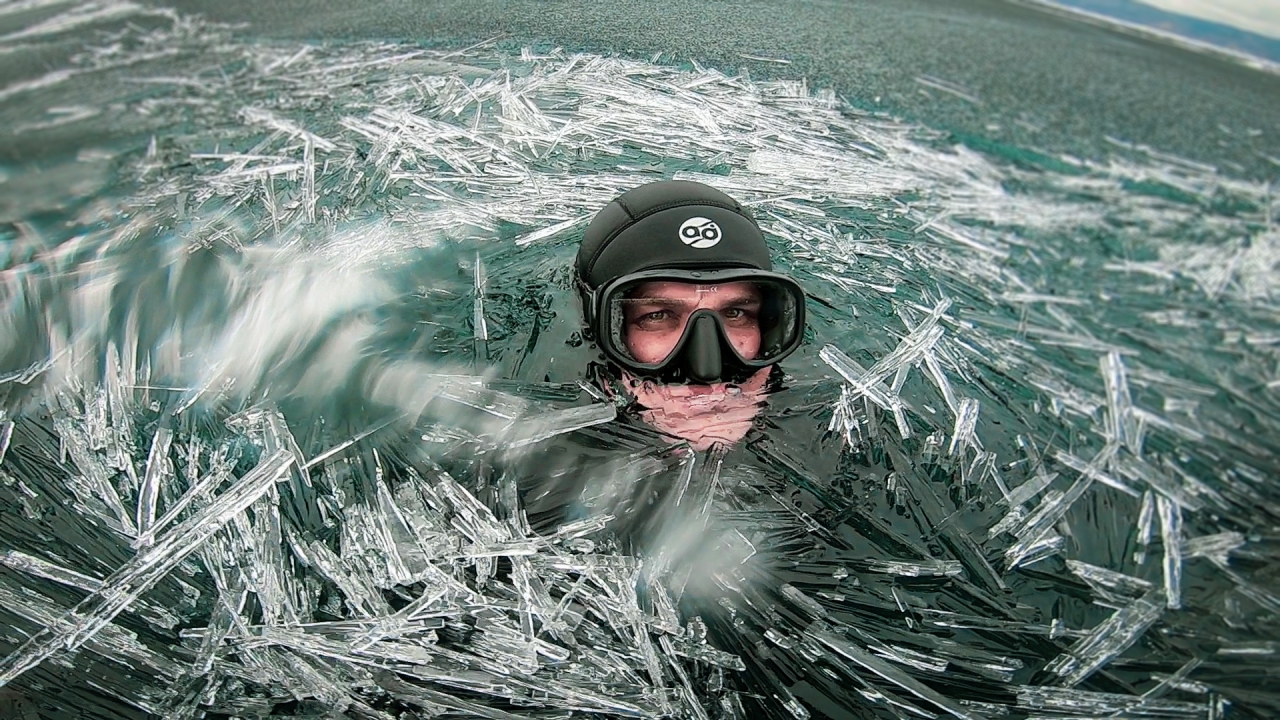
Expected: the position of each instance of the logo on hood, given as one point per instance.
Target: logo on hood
(700, 233)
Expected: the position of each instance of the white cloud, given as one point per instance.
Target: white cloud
(1258, 16)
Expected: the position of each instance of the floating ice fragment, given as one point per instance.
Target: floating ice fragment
(873, 391)
(33, 371)
(735, 548)
(1146, 525)
(1257, 594)
(74, 18)
(935, 568)
(1047, 546)
(876, 665)
(1138, 469)
(762, 58)
(335, 450)
(209, 482)
(1217, 546)
(940, 380)
(692, 706)
(97, 487)
(6, 434)
(955, 232)
(478, 324)
(1037, 298)
(1053, 507)
(1250, 648)
(1093, 470)
(309, 197)
(966, 421)
(806, 603)
(948, 87)
(913, 348)
(159, 472)
(1016, 517)
(1108, 639)
(261, 116)
(705, 653)
(550, 231)
(125, 585)
(1174, 681)
(1063, 702)
(1123, 426)
(45, 569)
(114, 642)
(1171, 534)
(1024, 492)
(557, 422)
(1111, 581)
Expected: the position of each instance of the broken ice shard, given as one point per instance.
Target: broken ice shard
(884, 669)
(1123, 425)
(1171, 534)
(537, 428)
(159, 472)
(479, 326)
(966, 420)
(148, 567)
(45, 569)
(1110, 638)
(1055, 505)
(6, 434)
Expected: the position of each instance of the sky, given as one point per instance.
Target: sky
(1258, 16)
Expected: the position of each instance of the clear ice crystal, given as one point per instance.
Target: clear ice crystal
(6, 434)
(126, 584)
(1171, 535)
(1110, 638)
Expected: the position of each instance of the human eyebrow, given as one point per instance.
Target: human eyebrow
(659, 301)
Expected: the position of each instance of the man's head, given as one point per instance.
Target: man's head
(677, 286)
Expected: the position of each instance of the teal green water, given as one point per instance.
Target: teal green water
(299, 224)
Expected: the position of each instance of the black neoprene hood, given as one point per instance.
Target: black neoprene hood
(674, 224)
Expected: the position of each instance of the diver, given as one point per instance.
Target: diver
(678, 293)
(680, 300)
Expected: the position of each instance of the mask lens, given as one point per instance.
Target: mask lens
(646, 319)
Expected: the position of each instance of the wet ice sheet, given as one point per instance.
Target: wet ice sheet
(1117, 316)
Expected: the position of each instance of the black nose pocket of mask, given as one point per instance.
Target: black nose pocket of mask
(703, 359)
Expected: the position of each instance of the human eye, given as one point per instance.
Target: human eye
(653, 319)
(738, 315)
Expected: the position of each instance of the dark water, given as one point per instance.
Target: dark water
(1023, 466)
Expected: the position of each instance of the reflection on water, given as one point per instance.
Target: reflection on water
(295, 420)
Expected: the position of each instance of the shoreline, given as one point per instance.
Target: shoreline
(1151, 33)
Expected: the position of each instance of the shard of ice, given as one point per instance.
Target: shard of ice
(123, 587)
(1108, 639)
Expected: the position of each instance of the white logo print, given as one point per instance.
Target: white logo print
(700, 233)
